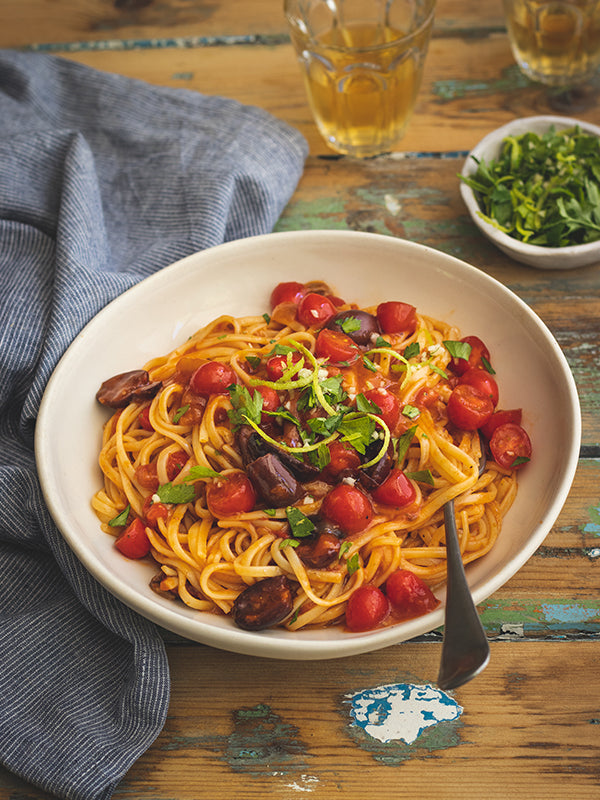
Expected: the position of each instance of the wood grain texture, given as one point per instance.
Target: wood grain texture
(27, 22)
(246, 728)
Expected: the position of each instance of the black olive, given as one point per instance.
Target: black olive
(265, 603)
(364, 334)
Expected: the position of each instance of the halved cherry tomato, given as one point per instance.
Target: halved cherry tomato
(175, 463)
(315, 310)
(409, 595)
(134, 542)
(468, 408)
(212, 378)
(396, 317)
(510, 442)
(147, 476)
(367, 608)
(498, 418)
(388, 405)
(478, 352)
(270, 398)
(343, 458)
(233, 494)
(144, 419)
(348, 507)
(287, 292)
(482, 380)
(277, 365)
(153, 512)
(396, 490)
(336, 346)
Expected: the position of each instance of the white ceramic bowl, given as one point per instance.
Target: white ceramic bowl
(237, 278)
(530, 254)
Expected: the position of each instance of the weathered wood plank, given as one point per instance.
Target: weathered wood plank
(241, 727)
(484, 88)
(44, 21)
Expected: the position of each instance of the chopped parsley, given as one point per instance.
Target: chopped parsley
(300, 524)
(542, 189)
(177, 493)
(120, 519)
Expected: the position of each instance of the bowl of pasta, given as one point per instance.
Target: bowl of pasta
(264, 466)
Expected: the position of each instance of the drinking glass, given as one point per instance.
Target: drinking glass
(556, 43)
(362, 62)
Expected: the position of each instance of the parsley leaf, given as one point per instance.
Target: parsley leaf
(353, 563)
(357, 431)
(412, 350)
(199, 471)
(458, 349)
(350, 324)
(300, 524)
(178, 493)
(245, 405)
(422, 476)
(120, 519)
(404, 443)
(412, 412)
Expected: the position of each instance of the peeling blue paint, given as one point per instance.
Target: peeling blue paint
(568, 613)
(401, 711)
(593, 527)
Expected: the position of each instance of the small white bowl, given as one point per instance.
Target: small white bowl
(535, 256)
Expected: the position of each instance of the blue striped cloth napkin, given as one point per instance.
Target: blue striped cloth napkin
(103, 181)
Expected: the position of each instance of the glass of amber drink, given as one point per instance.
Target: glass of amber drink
(556, 43)
(362, 62)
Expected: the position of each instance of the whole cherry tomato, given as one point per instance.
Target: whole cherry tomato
(409, 595)
(133, 542)
(348, 507)
(212, 378)
(315, 310)
(478, 352)
(277, 365)
(388, 405)
(498, 418)
(271, 400)
(468, 408)
(509, 443)
(336, 346)
(396, 490)
(233, 494)
(396, 317)
(343, 458)
(287, 292)
(482, 380)
(366, 609)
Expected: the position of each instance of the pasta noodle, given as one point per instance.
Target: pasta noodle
(167, 437)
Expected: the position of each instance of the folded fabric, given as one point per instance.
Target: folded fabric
(103, 180)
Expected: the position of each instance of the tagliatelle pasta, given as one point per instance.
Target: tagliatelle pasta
(308, 452)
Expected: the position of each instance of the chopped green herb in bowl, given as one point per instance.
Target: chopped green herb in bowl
(533, 187)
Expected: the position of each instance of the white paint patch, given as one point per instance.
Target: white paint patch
(401, 710)
(308, 784)
(392, 204)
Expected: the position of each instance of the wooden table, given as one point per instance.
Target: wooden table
(530, 726)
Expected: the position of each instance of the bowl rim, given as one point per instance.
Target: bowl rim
(522, 124)
(298, 648)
